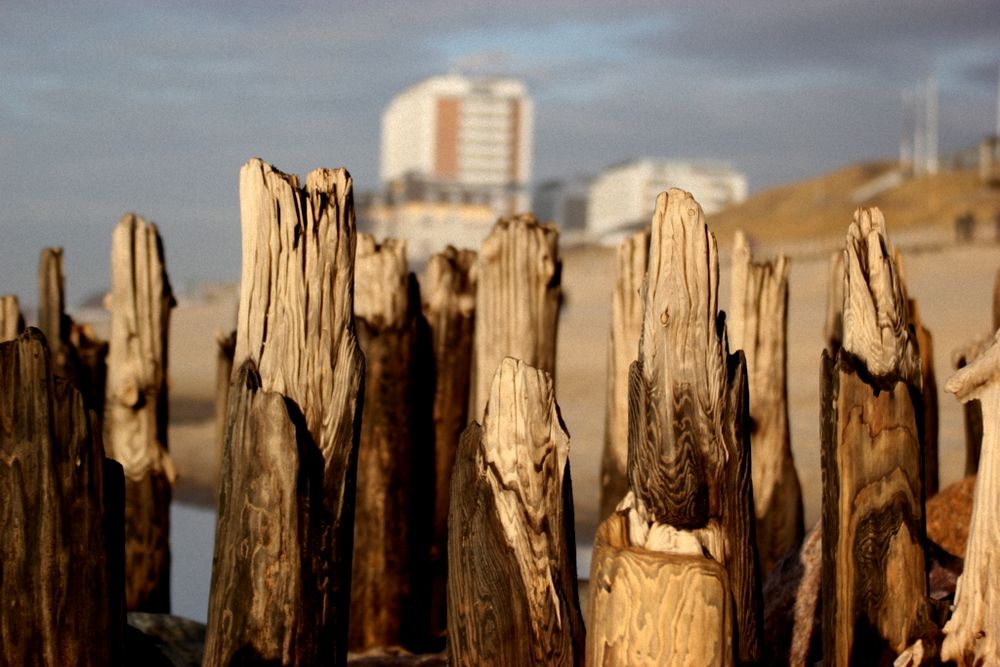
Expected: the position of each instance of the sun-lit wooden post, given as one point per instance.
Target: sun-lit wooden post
(135, 417)
(11, 320)
(512, 597)
(874, 572)
(757, 323)
(674, 576)
(281, 574)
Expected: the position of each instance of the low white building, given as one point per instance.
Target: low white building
(622, 198)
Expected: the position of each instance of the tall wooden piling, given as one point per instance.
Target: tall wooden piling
(681, 545)
(757, 323)
(874, 572)
(11, 320)
(517, 301)
(281, 574)
(623, 349)
(449, 308)
(135, 417)
(512, 596)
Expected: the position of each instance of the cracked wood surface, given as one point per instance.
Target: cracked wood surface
(757, 323)
(296, 329)
(512, 597)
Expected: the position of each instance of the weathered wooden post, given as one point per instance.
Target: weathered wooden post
(874, 572)
(928, 394)
(449, 308)
(972, 409)
(517, 301)
(512, 596)
(972, 635)
(393, 511)
(135, 417)
(757, 323)
(225, 348)
(623, 348)
(674, 576)
(11, 320)
(281, 573)
(58, 599)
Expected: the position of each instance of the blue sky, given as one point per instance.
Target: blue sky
(107, 107)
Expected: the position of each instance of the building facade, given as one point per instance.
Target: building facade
(470, 138)
(622, 198)
(563, 202)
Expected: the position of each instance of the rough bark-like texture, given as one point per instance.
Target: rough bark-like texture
(757, 323)
(875, 600)
(296, 325)
(449, 305)
(792, 610)
(678, 607)
(623, 349)
(689, 450)
(395, 468)
(972, 635)
(517, 301)
(135, 418)
(11, 320)
(512, 597)
(972, 409)
(54, 584)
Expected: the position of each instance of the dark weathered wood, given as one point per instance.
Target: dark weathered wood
(972, 635)
(972, 409)
(11, 320)
(623, 349)
(53, 564)
(395, 469)
(833, 330)
(757, 323)
(518, 292)
(224, 351)
(449, 307)
(689, 451)
(512, 597)
(928, 393)
(281, 575)
(874, 571)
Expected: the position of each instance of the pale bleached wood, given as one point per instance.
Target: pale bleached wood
(757, 323)
(512, 596)
(296, 327)
(395, 472)
(449, 307)
(874, 571)
(972, 635)
(58, 600)
(517, 301)
(11, 320)
(623, 349)
(135, 418)
(51, 304)
(689, 454)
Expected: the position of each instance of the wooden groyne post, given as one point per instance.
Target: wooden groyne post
(11, 320)
(674, 575)
(135, 417)
(512, 597)
(449, 308)
(874, 572)
(623, 349)
(517, 301)
(757, 323)
(281, 573)
(61, 599)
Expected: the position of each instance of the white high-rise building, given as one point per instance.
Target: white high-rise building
(466, 138)
(622, 198)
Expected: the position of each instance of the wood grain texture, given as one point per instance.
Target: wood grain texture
(689, 449)
(11, 320)
(972, 635)
(57, 607)
(757, 323)
(650, 608)
(875, 600)
(296, 326)
(512, 597)
(135, 418)
(449, 307)
(517, 301)
(623, 349)
(395, 470)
